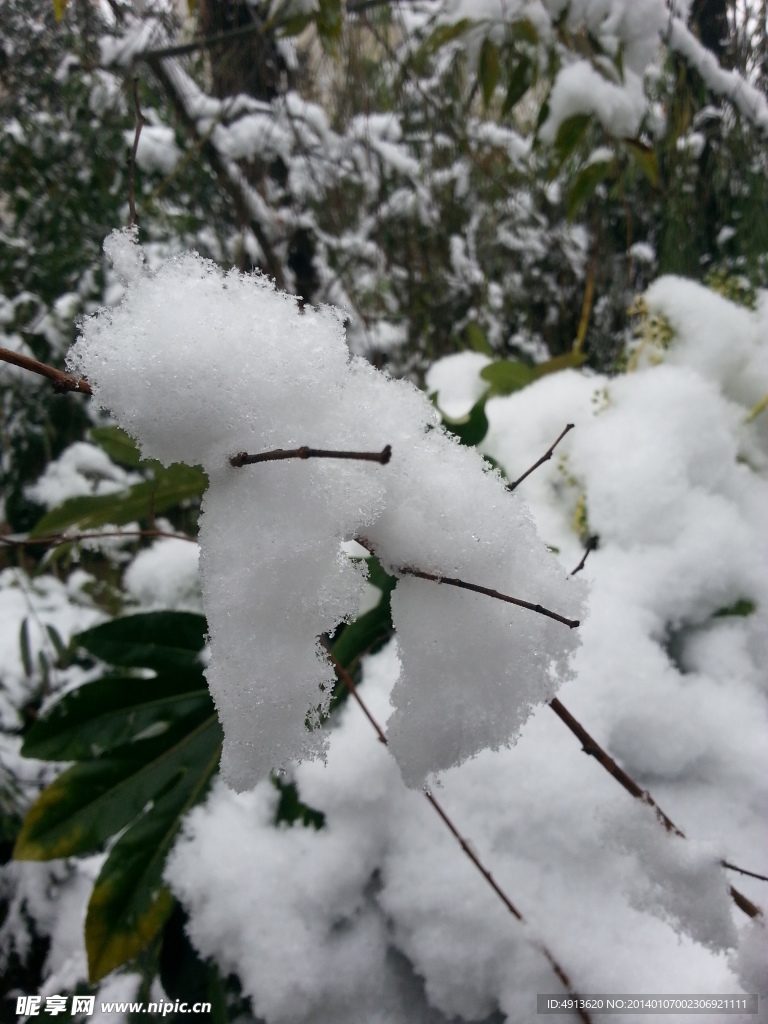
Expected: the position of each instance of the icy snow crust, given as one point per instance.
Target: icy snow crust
(199, 365)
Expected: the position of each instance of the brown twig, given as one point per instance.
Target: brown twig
(539, 609)
(466, 846)
(206, 42)
(743, 871)
(132, 218)
(244, 459)
(544, 458)
(590, 746)
(591, 545)
(62, 382)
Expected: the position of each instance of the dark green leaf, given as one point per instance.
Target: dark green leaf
(113, 712)
(129, 904)
(295, 26)
(470, 429)
(478, 342)
(447, 33)
(93, 800)
(57, 642)
(743, 607)
(586, 183)
(290, 807)
(118, 445)
(518, 83)
(569, 135)
(489, 69)
(525, 31)
(645, 158)
(328, 20)
(507, 375)
(370, 630)
(26, 657)
(165, 641)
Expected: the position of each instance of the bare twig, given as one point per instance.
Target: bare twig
(244, 459)
(743, 871)
(62, 382)
(466, 846)
(590, 746)
(207, 42)
(132, 218)
(544, 458)
(539, 609)
(591, 545)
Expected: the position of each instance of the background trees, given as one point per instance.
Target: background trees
(498, 186)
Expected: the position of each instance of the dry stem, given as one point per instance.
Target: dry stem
(244, 459)
(544, 458)
(62, 382)
(132, 218)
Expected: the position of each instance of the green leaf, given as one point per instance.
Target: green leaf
(165, 641)
(118, 445)
(645, 158)
(329, 20)
(446, 34)
(89, 803)
(567, 361)
(525, 31)
(295, 25)
(470, 429)
(129, 904)
(59, 8)
(113, 712)
(477, 340)
(489, 69)
(290, 807)
(170, 487)
(743, 607)
(569, 135)
(370, 630)
(518, 83)
(506, 376)
(26, 656)
(586, 183)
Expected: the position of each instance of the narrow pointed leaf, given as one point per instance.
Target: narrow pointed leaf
(169, 642)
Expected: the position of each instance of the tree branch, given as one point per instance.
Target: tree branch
(75, 538)
(592, 747)
(544, 458)
(244, 459)
(466, 846)
(591, 545)
(539, 609)
(132, 219)
(62, 382)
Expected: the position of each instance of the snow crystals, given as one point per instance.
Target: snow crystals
(199, 365)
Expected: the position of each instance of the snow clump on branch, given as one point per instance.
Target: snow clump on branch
(199, 365)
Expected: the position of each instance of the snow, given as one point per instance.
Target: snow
(157, 150)
(165, 575)
(82, 469)
(198, 366)
(580, 89)
(457, 383)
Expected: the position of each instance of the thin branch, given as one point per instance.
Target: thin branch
(539, 609)
(590, 746)
(206, 42)
(234, 187)
(544, 458)
(62, 382)
(591, 545)
(132, 219)
(466, 846)
(75, 538)
(244, 459)
(743, 871)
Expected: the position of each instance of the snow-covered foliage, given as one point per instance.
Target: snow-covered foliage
(670, 677)
(199, 366)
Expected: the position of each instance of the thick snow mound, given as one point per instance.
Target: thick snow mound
(199, 365)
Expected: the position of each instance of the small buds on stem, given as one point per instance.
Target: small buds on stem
(244, 459)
